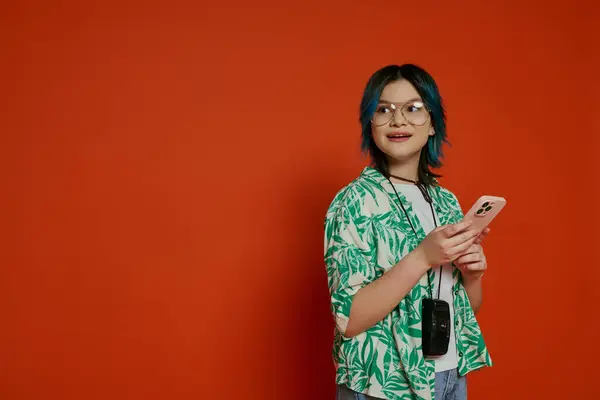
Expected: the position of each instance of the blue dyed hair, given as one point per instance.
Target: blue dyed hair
(426, 87)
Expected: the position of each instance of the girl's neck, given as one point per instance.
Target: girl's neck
(408, 169)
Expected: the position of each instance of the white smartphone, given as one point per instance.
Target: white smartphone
(485, 209)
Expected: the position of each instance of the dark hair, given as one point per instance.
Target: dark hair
(428, 90)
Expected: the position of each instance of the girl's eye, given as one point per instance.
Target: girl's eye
(414, 107)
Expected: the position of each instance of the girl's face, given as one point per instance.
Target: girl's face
(401, 124)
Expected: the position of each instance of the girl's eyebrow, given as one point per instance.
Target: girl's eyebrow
(407, 101)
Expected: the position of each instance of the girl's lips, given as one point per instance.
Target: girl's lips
(399, 136)
(399, 139)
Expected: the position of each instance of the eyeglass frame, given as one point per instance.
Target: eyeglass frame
(395, 108)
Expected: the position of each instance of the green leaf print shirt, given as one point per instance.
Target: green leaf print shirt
(366, 233)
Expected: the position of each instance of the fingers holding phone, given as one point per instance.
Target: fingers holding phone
(472, 257)
(451, 242)
(482, 235)
(444, 244)
(472, 264)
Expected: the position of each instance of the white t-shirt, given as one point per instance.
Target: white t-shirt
(423, 212)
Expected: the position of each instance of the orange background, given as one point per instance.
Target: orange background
(168, 166)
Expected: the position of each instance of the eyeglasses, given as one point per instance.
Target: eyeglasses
(415, 112)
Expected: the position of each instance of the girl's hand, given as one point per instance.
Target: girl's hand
(482, 235)
(446, 243)
(472, 263)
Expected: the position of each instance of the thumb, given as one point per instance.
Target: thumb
(482, 235)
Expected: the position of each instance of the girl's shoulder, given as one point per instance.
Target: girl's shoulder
(447, 203)
(360, 194)
(446, 194)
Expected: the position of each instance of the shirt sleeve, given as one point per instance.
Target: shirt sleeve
(349, 258)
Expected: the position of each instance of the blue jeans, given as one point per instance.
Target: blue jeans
(448, 386)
